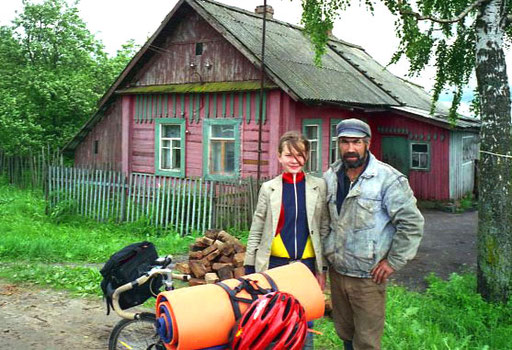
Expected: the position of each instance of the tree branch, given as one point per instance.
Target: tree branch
(420, 17)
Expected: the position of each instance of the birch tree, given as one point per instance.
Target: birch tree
(462, 37)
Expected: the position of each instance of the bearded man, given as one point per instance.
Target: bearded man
(375, 228)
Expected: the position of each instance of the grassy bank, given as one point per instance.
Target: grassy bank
(54, 251)
(28, 233)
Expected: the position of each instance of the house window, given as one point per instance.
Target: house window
(199, 49)
(312, 129)
(221, 157)
(96, 146)
(420, 156)
(170, 147)
(334, 152)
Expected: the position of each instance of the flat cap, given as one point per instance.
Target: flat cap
(353, 128)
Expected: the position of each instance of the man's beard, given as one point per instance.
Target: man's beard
(352, 164)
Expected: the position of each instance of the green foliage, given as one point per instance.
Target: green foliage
(451, 46)
(449, 315)
(52, 72)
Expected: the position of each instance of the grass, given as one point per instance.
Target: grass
(54, 251)
(29, 234)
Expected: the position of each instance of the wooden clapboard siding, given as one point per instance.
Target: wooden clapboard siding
(431, 184)
(177, 52)
(108, 134)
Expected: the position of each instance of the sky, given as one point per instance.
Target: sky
(115, 22)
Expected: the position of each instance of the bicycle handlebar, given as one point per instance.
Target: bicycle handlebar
(163, 263)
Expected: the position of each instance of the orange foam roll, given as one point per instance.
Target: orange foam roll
(202, 316)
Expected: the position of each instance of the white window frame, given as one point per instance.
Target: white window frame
(421, 154)
(207, 151)
(318, 141)
(159, 128)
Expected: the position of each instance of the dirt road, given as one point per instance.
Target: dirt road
(45, 320)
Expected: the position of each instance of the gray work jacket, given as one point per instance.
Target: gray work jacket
(378, 219)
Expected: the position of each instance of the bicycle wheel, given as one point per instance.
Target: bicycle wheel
(137, 334)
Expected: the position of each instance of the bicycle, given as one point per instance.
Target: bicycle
(137, 330)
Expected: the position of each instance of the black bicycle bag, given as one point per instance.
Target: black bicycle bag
(125, 266)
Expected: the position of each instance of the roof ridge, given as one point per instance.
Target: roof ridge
(250, 13)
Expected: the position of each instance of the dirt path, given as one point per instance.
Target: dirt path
(45, 320)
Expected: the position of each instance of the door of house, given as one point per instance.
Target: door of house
(395, 152)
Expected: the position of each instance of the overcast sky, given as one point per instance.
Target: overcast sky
(115, 22)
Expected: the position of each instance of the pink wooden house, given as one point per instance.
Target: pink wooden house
(187, 105)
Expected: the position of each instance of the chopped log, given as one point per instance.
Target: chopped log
(238, 272)
(212, 234)
(219, 244)
(208, 250)
(183, 268)
(238, 259)
(226, 237)
(211, 277)
(197, 268)
(204, 241)
(194, 248)
(225, 259)
(239, 247)
(225, 272)
(218, 266)
(213, 255)
(196, 282)
(195, 255)
(181, 277)
(227, 249)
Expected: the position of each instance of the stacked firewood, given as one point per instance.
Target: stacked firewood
(214, 257)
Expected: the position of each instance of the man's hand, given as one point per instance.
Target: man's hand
(381, 272)
(321, 278)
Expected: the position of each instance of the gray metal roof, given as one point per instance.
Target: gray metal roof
(348, 75)
(289, 55)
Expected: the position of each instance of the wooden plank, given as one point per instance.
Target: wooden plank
(193, 220)
(240, 105)
(254, 162)
(167, 208)
(173, 201)
(198, 107)
(110, 190)
(158, 209)
(183, 207)
(248, 107)
(153, 198)
(191, 108)
(207, 105)
(189, 191)
(215, 106)
(232, 104)
(223, 115)
(174, 105)
(139, 191)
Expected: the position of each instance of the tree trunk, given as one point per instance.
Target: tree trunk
(495, 205)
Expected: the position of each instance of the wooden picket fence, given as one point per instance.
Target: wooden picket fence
(184, 205)
(31, 170)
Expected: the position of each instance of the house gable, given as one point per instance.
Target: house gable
(174, 58)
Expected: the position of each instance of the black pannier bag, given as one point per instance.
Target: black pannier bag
(126, 265)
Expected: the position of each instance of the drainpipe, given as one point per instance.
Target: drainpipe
(260, 126)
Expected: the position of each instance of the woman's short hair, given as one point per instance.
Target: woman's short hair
(295, 140)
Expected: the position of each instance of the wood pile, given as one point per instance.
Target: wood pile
(214, 257)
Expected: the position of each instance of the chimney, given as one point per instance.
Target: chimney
(260, 9)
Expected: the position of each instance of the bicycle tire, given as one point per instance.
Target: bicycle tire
(137, 334)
